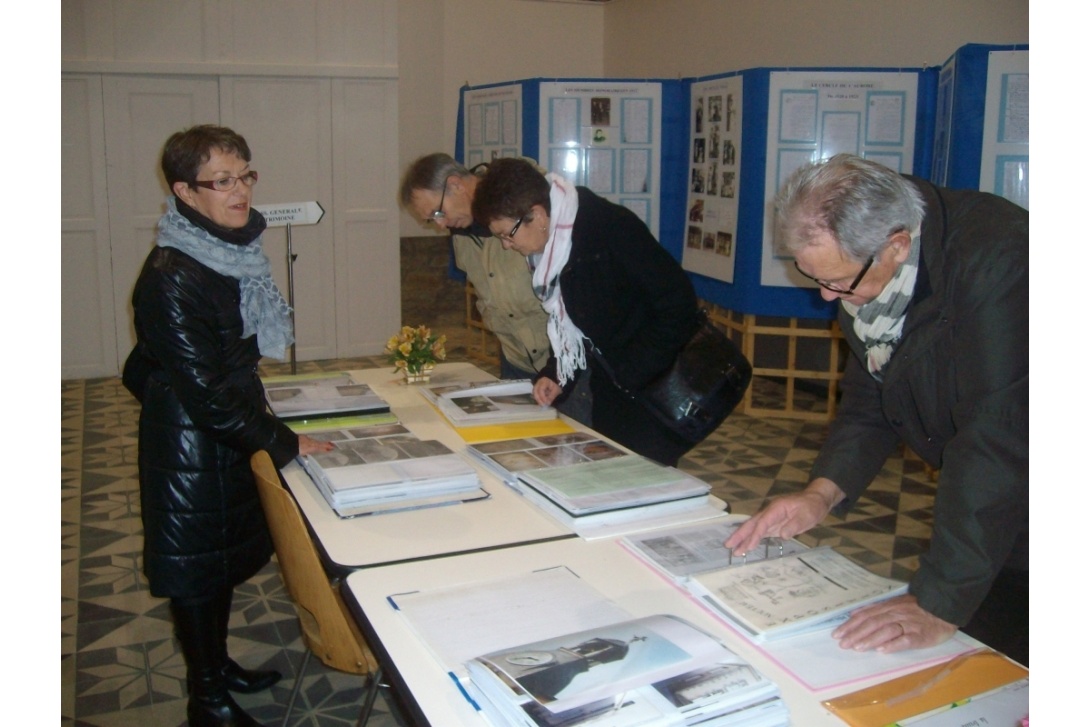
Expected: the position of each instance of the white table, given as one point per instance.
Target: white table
(503, 520)
(605, 565)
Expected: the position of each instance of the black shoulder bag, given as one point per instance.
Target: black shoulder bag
(705, 382)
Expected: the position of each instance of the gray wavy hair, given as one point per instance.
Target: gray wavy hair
(859, 202)
(429, 173)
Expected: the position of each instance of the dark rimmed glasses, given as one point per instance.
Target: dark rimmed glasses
(438, 213)
(510, 236)
(226, 184)
(837, 289)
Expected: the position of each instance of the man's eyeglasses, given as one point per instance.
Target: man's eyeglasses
(510, 236)
(438, 213)
(226, 184)
(835, 288)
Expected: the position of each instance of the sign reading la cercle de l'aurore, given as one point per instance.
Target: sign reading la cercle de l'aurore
(291, 213)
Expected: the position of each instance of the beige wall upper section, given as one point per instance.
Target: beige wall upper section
(262, 37)
(449, 43)
(443, 44)
(672, 38)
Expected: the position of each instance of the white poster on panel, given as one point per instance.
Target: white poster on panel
(492, 124)
(814, 115)
(1004, 152)
(715, 156)
(606, 136)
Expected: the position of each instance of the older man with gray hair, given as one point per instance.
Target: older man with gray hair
(437, 190)
(933, 287)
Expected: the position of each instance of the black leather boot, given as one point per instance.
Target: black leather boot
(243, 681)
(248, 681)
(196, 624)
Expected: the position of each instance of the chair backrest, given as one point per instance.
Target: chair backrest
(328, 628)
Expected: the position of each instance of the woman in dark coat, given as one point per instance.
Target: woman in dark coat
(618, 303)
(206, 310)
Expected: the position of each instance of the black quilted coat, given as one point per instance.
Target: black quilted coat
(203, 414)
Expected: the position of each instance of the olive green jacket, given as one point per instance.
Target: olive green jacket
(505, 299)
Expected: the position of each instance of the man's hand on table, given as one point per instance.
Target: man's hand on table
(893, 625)
(788, 515)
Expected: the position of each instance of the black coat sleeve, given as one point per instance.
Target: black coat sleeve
(626, 292)
(189, 323)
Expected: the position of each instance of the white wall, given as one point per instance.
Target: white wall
(311, 85)
(433, 47)
(446, 44)
(705, 37)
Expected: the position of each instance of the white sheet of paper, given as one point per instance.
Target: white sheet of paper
(460, 623)
(817, 660)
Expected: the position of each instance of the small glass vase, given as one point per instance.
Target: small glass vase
(422, 376)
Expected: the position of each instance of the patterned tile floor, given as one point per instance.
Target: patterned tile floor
(120, 665)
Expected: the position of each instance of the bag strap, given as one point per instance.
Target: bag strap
(702, 320)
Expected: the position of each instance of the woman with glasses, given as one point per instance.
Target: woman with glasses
(619, 305)
(206, 310)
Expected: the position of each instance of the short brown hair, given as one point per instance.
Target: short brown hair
(185, 151)
(511, 187)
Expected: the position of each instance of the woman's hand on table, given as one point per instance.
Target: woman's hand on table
(546, 390)
(308, 445)
(894, 625)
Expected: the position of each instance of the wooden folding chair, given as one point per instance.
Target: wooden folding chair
(327, 626)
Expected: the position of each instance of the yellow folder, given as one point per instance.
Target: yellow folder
(512, 430)
(964, 676)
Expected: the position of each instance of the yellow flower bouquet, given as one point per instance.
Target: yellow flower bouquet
(415, 351)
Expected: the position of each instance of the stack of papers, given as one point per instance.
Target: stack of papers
(657, 670)
(777, 598)
(383, 467)
(479, 404)
(679, 553)
(295, 398)
(692, 555)
(612, 490)
(778, 590)
(510, 457)
(545, 649)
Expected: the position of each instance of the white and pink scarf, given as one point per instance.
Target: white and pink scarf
(564, 335)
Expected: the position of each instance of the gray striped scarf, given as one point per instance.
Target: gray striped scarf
(264, 310)
(879, 322)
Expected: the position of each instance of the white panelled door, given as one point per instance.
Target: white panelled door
(333, 141)
(88, 329)
(286, 122)
(140, 113)
(365, 180)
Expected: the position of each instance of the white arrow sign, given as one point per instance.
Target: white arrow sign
(292, 213)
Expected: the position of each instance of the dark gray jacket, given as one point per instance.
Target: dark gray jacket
(956, 391)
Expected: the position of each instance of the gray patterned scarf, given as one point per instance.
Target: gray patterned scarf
(879, 323)
(264, 310)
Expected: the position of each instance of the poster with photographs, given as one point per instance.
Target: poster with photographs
(715, 158)
(1004, 154)
(606, 136)
(815, 115)
(493, 123)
